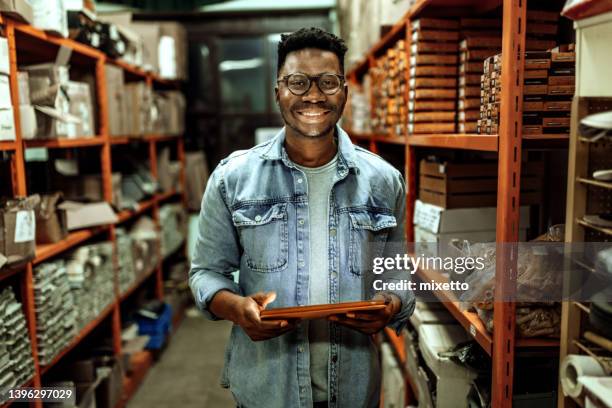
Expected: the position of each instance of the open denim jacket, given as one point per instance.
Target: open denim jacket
(254, 219)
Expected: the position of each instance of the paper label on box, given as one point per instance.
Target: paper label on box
(25, 226)
(427, 216)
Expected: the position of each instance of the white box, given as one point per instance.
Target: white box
(5, 92)
(7, 124)
(50, 15)
(453, 380)
(4, 57)
(437, 219)
(27, 117)
(593, 57)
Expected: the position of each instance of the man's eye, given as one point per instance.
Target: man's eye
(327, 83)
(297, 83)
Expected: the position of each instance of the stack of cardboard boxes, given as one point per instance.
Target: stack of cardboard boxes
(16, 363)
(480, 38)
(433, 76)
(547, 94)
(389, 91)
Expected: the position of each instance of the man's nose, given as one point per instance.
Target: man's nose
(314, 94)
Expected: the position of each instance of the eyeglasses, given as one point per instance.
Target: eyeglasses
(298, 83)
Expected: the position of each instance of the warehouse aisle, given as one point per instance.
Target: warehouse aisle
(187, 375)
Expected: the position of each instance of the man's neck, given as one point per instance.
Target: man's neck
(310, 151)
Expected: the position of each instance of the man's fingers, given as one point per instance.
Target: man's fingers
(273, 324)
(263, 299)
(368, 317)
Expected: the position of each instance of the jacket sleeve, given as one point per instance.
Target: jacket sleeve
(396, 244)
(217, 249)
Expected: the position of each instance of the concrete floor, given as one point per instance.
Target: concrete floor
(187, 374)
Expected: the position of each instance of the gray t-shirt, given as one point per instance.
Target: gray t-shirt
(320, 182)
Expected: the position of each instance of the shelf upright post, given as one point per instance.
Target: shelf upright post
(107, 189)
(410, 165)
(20, 189)
(508, 195)
(159, 278)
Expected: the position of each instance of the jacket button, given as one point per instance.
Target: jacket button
(300, 349)
(299, 181)
(301, 221)
(332, 232)
(258, 218)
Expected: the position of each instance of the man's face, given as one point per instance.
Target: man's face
(313, 114)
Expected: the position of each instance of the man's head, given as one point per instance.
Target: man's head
(315, 56)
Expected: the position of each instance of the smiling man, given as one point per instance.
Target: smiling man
(302, 217)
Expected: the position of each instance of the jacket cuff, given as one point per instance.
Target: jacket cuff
(206, 286)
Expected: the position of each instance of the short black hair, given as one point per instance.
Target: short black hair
(312, 37)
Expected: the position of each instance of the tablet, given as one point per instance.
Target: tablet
(321, 311)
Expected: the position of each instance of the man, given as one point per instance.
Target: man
(302, 217)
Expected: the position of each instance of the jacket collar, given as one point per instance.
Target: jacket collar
(275, 150)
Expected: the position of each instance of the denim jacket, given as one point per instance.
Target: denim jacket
(254, 219)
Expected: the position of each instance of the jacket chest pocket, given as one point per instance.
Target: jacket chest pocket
(369, 232)
(263, 234)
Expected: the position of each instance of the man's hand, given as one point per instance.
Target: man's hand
(370, 322)
(244, 311)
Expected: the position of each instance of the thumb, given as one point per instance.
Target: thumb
(263, 299)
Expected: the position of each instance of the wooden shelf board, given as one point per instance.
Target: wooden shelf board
(142, 207)
(136, 285)
(132, 69)
(6, 271)
(390, 139)
(165, 196)
(76, 47)
(596, 183)
(80, 336)
(7, 145)
(487, 143)
(63, 143)
(469, 320)
(46, 251)
(388, 39)
(607, 231)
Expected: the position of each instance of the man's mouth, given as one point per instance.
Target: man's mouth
(312, 114)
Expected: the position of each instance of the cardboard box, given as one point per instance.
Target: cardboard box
(18, 229)
(172, 51)
(115, 84)
(439, 220)
(18, 9)
(139, 102)
(4, 57)
(150, 34)
(81, 215)
(51, 222)
(5, 92)
(7, 124)
(50, 15)
(79, 97)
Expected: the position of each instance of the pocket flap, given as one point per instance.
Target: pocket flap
(373, 221)
(259, 214)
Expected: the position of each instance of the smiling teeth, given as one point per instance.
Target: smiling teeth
(312, 113)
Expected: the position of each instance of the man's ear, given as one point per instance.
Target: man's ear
(276, 95)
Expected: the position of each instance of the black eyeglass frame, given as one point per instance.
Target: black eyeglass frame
(311, 79)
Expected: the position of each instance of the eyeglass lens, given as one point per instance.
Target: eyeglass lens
(299, 84)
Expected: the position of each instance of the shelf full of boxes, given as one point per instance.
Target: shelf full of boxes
(461, 87)
(101, 122)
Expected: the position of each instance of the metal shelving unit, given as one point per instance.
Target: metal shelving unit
(23, 38)
(509, 143)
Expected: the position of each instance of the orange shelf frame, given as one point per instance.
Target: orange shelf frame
(6, 146)
(65, 143)
(142, 207)
(46, 251)
(487, 143)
